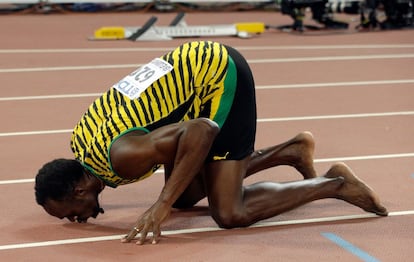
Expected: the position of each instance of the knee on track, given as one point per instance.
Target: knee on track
(230, 219)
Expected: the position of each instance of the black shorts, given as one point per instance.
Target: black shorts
(237, 136)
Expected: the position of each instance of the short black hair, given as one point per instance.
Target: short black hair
(57, 179)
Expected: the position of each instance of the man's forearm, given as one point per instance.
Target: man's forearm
(192, 150)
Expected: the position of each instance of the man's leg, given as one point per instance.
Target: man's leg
(296, 152)
(235, 205)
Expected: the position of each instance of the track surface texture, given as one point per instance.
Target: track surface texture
(354, 91)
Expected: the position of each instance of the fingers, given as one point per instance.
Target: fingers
(131, 235)
(143, 236)
(149, 222)
(156, 233)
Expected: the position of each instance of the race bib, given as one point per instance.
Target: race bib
(138, 81)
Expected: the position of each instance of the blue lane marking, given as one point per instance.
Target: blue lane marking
(364, 256)
(412, 175)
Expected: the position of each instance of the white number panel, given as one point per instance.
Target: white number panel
(138, 81)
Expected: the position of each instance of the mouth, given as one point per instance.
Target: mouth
(96, 211)
(81, 220)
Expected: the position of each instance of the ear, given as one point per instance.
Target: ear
(80, 190)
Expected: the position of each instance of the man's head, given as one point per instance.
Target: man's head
(67, 190)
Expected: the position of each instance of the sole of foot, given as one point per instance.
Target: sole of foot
(355, 191)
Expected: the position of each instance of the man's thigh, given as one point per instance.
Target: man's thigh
(224, 184)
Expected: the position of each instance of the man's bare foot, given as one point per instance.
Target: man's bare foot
(300, 151)
(355, 191)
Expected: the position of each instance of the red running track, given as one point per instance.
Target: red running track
(353, 91)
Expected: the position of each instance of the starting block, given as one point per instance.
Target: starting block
(177, 29)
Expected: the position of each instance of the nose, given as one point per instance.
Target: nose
(81, 220)
(71, 218)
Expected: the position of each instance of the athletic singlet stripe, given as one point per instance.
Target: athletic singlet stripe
(94, 111)
(120, 115)
(164, 96)
(128, 110)
(156, 98)
(226, 100)
(188, 74)
(148, 113)
(86, 134)
(106, 131)
(88, 128)
(210, 63)
(136, 116)
(98, 147)
(176, 78)
(102, 106)
(223, 73)
(144, 111)
(173, 96)
(205, 70)
(80, 143)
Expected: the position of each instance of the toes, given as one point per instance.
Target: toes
(355, 191)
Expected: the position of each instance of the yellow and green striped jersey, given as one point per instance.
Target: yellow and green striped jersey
(201, 84)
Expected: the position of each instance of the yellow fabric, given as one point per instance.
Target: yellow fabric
(197, 79)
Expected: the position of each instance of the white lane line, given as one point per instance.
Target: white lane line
(320, 160)
(259, 87)
(41, 132)
(260, 120)
(99, 50)
(66, 68)
(32, 180)
(250, 61)
(157, 49)
(367, 157)
(205, 229)
(329, 58)
(17, 181)
(323, 117)
(63, 96)
(336, 84)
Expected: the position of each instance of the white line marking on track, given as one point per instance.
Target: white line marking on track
(329, 58)
(323, 117)
(63, 96)
(32, 180)
(250, 61)
(367, 157)
(261, 120)
(259, 87)
(157, 49)
(336, 84)
(321, 160)
(41, 132)
(17, 181)
(203, 230)
(67, 68)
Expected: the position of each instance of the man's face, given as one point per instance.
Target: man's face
(76, 208)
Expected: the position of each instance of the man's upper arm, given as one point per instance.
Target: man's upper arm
(130, 156)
